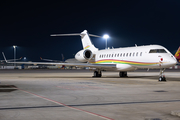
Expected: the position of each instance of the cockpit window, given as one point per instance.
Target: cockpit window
(157, 51)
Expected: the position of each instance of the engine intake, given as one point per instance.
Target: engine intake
(87, 54)
(84, 55)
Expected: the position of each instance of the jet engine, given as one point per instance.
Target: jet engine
(84, 55)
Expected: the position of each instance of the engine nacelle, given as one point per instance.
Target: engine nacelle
(84, 55)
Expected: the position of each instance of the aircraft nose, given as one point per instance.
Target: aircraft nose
(170, 61)
(173, 61)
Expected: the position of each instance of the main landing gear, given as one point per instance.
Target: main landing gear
(122, 74)
(161, 75)
(97, 73)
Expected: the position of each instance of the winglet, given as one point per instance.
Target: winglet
(4, 57)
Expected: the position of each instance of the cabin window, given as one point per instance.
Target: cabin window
(118, 55)
(121, 55)
(126, 54)
(157, 51)
(99, 56)
(129, 54)
(137, 54)
(141, 54)
(112, 55)
(115, 55)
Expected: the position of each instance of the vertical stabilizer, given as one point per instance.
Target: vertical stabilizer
(86, 41)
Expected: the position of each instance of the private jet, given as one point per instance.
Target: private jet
(117, 59)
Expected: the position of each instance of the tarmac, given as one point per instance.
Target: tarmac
(76, 95)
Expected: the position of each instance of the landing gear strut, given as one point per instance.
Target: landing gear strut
(122, 74)
(97, 73)
(161, 75)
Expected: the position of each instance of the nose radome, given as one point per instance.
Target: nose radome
(170, 61)
(173, 61)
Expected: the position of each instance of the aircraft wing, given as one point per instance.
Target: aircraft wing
(50, 60)
(102, 66)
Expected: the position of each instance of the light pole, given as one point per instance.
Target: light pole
(106, 37)
(14, 46)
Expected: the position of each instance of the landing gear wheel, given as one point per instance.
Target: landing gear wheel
(123, 74)
(97, 74)
(162, 79)
(162, 76)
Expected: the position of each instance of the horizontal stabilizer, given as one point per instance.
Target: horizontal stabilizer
(74, 34)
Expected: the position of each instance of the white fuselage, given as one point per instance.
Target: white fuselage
(131, 58)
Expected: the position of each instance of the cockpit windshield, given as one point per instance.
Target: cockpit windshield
(157, 51)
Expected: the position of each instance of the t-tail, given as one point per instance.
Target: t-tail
(86, 41)
(87, 54)
(177, 55)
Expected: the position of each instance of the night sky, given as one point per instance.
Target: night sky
(128, 22)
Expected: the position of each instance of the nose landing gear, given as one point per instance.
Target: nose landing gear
(161, 75)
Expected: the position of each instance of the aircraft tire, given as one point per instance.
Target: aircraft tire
(96, 74)
(99, 75)
(122, 74)
(162, 79)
